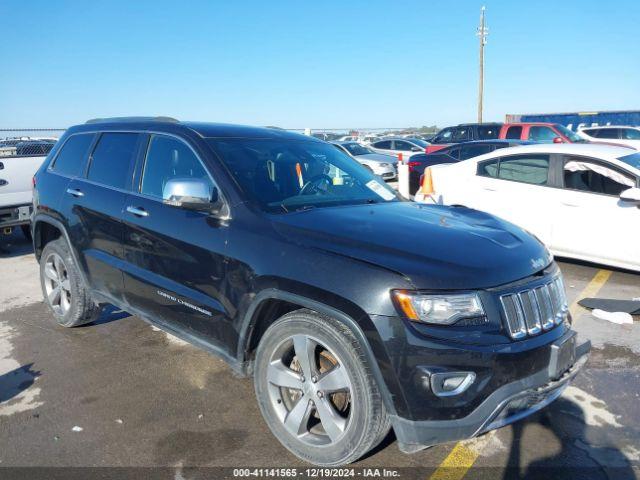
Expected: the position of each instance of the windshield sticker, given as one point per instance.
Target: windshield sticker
(380, 190)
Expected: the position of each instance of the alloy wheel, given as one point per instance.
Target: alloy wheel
(57, 284)
(310, 390)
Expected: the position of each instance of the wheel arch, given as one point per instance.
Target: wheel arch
(270, 304)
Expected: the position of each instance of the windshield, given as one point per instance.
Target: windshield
(574, 137)
(633, 160)
(288, 175)
(357, 149)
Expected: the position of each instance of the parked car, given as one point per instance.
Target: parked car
(382, 165)
(300, 268)
(580, 200)
(368, 139)
(540, 132)
(396, 145)
(617, 135)
(17, 168)
(465, 132)
(453, 154)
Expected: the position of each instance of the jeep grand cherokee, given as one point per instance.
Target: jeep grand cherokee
(301, 269)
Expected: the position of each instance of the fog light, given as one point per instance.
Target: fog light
(449, 384)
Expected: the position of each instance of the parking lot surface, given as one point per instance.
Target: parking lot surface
(120, 393)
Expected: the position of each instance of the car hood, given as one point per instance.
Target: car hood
(435, 247)
(377, 157)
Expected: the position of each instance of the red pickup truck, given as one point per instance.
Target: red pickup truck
(531, 131)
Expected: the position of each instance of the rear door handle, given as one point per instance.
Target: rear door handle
(137, 211)
(75, 192)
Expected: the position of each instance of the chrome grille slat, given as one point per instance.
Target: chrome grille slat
(534, 310)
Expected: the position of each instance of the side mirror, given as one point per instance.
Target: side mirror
(416, 149)
(631, 195)
(558, 140)
(192, 194)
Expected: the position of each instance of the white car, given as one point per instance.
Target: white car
(581, 200)
(629, 136)
(395, 145)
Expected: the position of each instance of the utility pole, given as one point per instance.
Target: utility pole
(482, 33)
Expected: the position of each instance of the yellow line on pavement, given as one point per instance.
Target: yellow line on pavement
(597, 282)
(456, 465)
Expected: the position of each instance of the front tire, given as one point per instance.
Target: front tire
(63, 288)
(316, 390)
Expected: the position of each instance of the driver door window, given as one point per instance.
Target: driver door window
(167, 159)
(593, 177)
(542, 134)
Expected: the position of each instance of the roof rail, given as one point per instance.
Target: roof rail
(133, 119)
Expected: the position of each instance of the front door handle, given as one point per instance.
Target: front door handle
(137, 211)
(75, 192)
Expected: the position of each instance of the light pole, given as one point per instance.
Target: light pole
(482, 33)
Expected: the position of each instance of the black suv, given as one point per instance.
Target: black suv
(354, 310)
(466, 132)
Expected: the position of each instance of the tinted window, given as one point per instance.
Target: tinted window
(582, 174)
(111, 159)
(384, 145)
(533, 169)
(168, 158)
(72, 154)
(444, 136)
(514, 133)
(631, 134)
(488, 169)
(283, 175)
(461, 134)
(608, 133)
(402, 146)
(486, 132)
(470, 151)
(541, 134)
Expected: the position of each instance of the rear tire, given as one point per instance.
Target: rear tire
(326, 410)
(63, 289)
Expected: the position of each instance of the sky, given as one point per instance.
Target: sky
(322, 64)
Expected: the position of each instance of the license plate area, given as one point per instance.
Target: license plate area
(563, 356)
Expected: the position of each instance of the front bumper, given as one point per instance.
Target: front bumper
(509, 403)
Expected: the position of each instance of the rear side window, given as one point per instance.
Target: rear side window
(111, 159)
(486, 132)
(385, 145)
(533, 169)
(72, 154)
(514, 133)
(488, 169)
(607, 133)
(461, 134)
(470, 151)
(167, 159)
(402, 146)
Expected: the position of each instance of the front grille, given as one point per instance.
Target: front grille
(534, 310)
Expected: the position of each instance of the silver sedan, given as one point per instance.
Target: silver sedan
(380, 164)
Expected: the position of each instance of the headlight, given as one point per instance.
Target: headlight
(438, 309)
